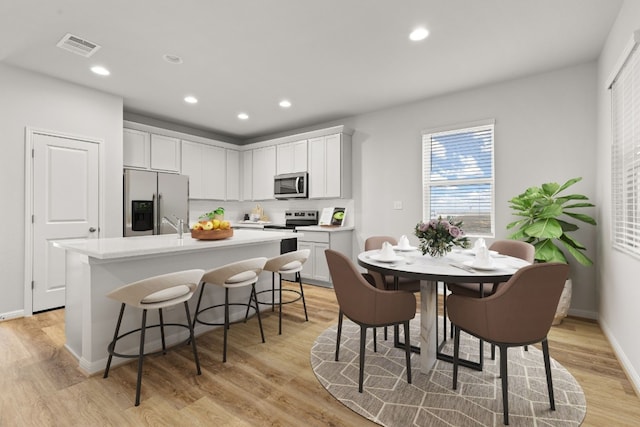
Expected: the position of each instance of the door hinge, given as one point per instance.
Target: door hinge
(33, 153)
(33, 285)
(33, 219)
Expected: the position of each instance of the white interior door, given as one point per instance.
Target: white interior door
(65, 206)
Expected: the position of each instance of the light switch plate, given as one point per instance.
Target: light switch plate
(397, 204)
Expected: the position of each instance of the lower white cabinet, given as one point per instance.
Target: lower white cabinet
(316, 270)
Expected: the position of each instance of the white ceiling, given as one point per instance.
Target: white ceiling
(331, 58)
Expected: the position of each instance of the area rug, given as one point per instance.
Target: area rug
(388, 400)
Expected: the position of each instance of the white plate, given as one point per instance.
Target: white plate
(377, 257)
(472, 252)
(494, 266)
(407, 249)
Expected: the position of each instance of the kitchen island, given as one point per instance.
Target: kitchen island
(94, 267)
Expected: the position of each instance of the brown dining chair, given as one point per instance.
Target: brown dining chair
(368, 306)
(514, 248)
(387, 282)
(519, 313)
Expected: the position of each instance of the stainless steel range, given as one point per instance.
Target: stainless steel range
(293, 219)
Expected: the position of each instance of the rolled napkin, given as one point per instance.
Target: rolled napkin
(482, 258)
(387, 251)
(480, 243)
(403, 243)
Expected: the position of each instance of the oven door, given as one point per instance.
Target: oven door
(286, 245)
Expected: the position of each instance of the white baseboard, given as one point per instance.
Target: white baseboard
(11, 315)
(585, 314)
(627, 366)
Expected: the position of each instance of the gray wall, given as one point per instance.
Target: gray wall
(618, 285)
(43, 103)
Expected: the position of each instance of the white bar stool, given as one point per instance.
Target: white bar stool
(154, 293)
(288, 263)
(234, 275)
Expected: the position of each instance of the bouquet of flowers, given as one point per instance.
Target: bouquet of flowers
(439, 236)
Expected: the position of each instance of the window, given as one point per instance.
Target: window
(458, 178)
(625, 154)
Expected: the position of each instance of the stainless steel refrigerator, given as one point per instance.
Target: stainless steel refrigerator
(150, 196)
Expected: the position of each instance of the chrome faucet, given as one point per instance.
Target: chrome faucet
(178, 225)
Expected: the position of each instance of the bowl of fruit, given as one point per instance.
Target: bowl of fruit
(211, 228)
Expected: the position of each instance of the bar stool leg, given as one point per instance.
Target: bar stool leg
(273, 292)
(112, 345)
(280, 306)
(304, 304)
(164, 346)
(195, 316)
(192, 338)
(226, 323)
(255, 297)
(141, 356)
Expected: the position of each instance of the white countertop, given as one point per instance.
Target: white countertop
(324, 228)
(124, 247)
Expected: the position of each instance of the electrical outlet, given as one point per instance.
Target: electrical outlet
(397, 204)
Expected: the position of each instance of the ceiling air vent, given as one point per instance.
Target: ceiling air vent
(78, 45)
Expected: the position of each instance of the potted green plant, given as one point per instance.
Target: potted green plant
(546, 221)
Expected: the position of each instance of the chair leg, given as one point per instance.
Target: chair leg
(280, 306)
(141, 356)
(363, 337)
(192, 338)
(226, 323)
(338, 335)
(195, 315)
(273, 291)
(407, 350)
(304, 304)
(456, 354)
(547, 368)
(493, 352)
(505, 383)
(164, 346)
(255, 297)
(385, 333)
(375, 341)
(112, 345)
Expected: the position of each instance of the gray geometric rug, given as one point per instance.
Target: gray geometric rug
(388, 400)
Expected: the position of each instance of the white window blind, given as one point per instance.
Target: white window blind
(458, 177)
(625, 155)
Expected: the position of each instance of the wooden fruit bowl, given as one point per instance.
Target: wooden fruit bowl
(211, 234)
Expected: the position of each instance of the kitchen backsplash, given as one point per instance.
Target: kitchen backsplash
(274, 209)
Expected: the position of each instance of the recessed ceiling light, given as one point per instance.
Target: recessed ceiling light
(191, 99)
(100, 70)
(285, 103)
(419, 34)
(172, 59)
(243, 116)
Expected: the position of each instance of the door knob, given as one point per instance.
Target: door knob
(92, 229)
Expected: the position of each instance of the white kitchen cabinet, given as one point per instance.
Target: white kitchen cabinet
(330, 166)
(233, 174)
(165, 153)
(206, 167)
(291, 157)
(264, 169)
(316, 270)
(247, 175)
(136, 146)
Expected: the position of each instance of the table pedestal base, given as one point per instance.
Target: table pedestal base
(428, 326)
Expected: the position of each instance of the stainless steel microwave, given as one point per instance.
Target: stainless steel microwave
(291, 186)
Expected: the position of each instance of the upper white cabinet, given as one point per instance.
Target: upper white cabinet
(146, 150)
(136, 148)
(165, 153)
(330, 166)
(291, 157)
(247, 175)
(206, 167)
(264, 169)
(233, 174)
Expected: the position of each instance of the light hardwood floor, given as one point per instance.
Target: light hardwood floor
(269, 384)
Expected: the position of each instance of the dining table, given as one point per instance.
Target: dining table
(458, 266)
